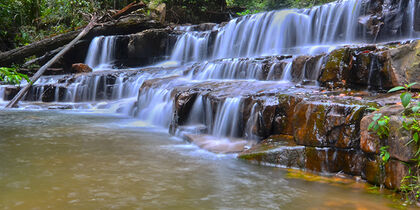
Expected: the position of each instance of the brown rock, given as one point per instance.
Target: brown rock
(369, 141)
(395, 171)
(80, 68)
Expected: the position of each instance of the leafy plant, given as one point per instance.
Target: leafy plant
(247, 12)
(410, 184)
(11, 76)
(380, 125)
(384, 154)
(405, 96)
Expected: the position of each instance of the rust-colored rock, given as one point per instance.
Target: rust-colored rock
(320, 124)
(369, 141)
(372, 171)
(395, 171)
(80, 68)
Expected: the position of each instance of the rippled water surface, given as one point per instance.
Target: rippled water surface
(68, 160)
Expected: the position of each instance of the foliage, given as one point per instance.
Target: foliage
(384, 154)
(25, 21)
(380, 125)
(11, 76)
(247, 12)
(410, 184)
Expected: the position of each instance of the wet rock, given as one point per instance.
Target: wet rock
(298, 68)
(10, 92)
(395, 171)
(145, 47)
(332, 160)
(276, 152)
(398, 137)
(183, 105)
(319, 124)
(369, 141)
(335, 69)
(80, 68)
(404, 67)
(372, 171)
(283, 120)
(398, 140)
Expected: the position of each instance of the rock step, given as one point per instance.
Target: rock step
(353, 162)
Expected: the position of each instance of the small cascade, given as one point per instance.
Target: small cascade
(227, 118)
(197, 113)
(252, 121)
(2, 89)
(191, 46)
(101, 54)
(227, 69)
(312, 74)
(222, 119)
(287, 72)
(374, 79)
(155, 106)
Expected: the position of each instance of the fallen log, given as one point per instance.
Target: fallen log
(125, 25)
(133, 6)
(39, 73)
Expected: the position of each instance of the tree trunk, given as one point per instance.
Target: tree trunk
(39, 73)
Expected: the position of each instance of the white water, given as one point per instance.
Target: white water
(290, 31)
(227, 69)
(101, 54)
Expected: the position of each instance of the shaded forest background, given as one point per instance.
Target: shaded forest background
(26, 21)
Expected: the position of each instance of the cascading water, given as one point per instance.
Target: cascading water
(101, 52)
(227, 69)
(1, 94)
(270, 41)
(289, 31)
(155, 106)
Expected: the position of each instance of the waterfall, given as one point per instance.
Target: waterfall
(287, 72)
(289, 31)
(101, 53)
(227, 69)
(155, 106)
(2, 89)
(227, 118)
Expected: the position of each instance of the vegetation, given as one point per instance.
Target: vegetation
(410, 184)
(11, 76)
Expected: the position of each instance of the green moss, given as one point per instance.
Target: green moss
(333, 66)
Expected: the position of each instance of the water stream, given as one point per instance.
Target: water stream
(74, 160)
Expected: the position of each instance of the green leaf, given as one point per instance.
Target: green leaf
(371, 125)
(376, 117)
(372, 109)
(381, 123)
(396, 89)
(416, 137)
(405, 99)
(409, 85)
(415, 109)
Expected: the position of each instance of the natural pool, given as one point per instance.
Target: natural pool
(71, 160)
